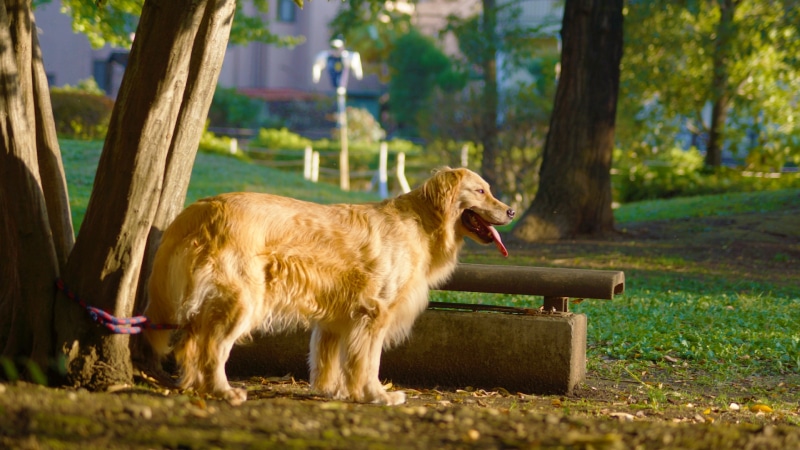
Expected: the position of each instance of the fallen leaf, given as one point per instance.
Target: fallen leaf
(760, 407)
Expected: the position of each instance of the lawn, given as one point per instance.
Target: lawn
(675, 307)
(701, 351)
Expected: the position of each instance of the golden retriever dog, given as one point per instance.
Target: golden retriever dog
(358, 275)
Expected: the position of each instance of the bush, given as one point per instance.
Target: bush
(81, 112)
(279, 139)
(680, 173)
(361, 127)
(230, 109)
(221, 145)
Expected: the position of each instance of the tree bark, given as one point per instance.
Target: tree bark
(28, 258)
(164, 96)
(574, 196)
(206, 65)
(720, 89)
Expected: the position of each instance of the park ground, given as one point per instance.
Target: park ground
(659, 404)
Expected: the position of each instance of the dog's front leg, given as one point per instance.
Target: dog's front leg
(364, 346)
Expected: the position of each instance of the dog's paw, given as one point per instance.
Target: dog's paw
(392, 398)
(235, 396)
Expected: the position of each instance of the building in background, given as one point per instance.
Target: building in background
(279, 76)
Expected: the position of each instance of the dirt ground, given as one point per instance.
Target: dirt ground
(601, 414)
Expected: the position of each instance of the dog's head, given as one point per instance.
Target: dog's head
(467, 198)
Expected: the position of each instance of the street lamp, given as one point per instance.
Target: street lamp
(339, 62)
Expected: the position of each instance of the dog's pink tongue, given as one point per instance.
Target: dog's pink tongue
(498, 242)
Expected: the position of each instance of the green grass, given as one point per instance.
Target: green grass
(707, 205)
(722, 326)
(212, 174)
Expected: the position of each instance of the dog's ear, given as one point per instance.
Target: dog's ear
(442, 188)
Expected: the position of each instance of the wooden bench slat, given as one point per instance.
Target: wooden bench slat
(544, 281)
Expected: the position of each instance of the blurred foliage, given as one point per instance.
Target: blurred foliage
(230, 109)
(667, 78)
(450, 119)
(680, 173)
(114, 23)
(361, 127)
(279, 139)
(372, 28)
(417, 67)
(82, 111)
(221, 145)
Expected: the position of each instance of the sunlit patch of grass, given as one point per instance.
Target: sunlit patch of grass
(724, 327)
(675, 316)
(708, 205)
(212, 174)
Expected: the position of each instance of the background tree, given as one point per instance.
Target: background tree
(574, 195)
(417, 66)
(142, 176)
(721, 70)
(141, 183)
(499, 36)
(35, 227)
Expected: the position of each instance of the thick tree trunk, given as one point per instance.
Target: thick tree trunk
(720, 83)
(206, 65)
(574, 196)
(29, 263)
(158, 117)
(489, 166)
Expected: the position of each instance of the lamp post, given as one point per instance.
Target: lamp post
(339, 62)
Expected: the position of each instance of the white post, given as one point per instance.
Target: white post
(314, 167)
(383, 189)
(464, 156)
(307, 163)
(234, 146)
(344, 159)
(401, 173)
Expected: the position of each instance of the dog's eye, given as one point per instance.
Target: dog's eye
(481, 191)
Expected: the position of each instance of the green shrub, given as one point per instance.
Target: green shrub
(680, 173)
(361, 127)
(221, 145)
(230, 109)
(81, 112)
(279, 139)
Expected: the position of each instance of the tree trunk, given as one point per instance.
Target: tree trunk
(574, 196)
(720, 83)
(489, 166)
(29, 259)
(153, 134)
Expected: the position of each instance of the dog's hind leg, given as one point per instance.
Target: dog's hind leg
(223, 323)
(324, 361)
(186, 355)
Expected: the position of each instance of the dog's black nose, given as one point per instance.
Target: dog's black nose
(511, 213)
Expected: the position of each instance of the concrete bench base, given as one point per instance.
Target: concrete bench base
(533, 354)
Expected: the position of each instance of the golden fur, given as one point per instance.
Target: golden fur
(357, 274)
